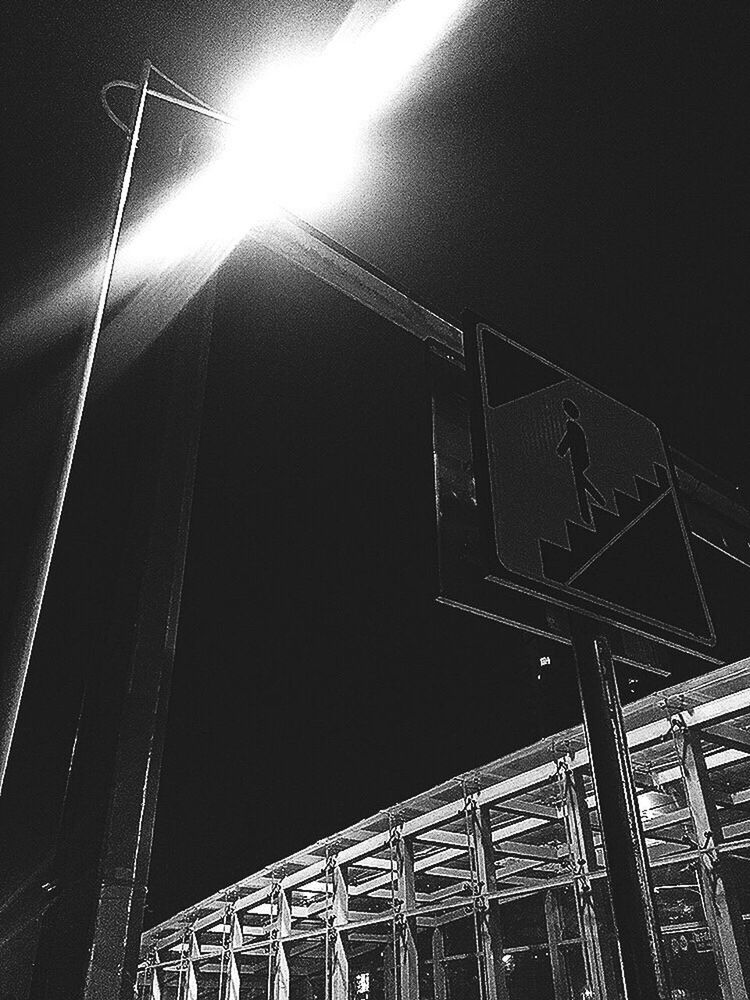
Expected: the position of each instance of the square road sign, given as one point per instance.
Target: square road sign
(577, 495)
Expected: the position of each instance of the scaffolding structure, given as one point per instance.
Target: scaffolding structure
(494, 885)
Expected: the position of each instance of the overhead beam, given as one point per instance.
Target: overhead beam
(444, 837)
(522, 807)
(653, 732)
(727, 735)
(319, 255)
(519, 849)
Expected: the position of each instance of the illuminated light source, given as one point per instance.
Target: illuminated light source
(296, 145)
(299, 125)
(295, 142)
(218, 206)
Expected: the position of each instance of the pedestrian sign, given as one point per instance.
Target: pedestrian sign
(577, 496)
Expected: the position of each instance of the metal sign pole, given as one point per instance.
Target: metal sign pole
(622, 834)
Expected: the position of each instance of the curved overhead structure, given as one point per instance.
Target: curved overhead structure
(494, 883)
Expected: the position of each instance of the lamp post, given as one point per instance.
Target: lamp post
(89, 930)
(34, 585)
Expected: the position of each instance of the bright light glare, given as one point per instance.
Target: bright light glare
(297, 145)
(298, 136)
(217, 206)
(294, 138)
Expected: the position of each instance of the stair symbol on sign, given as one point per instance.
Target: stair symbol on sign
(562, 563)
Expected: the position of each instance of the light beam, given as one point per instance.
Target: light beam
(300, 128)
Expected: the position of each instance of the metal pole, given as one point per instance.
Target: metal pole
(280, 983)
(553, 923)
(438, 968)
(594, 911)
(133, 781)
(33, 587)
(340, 918)
(622, 835)
(408, 968)
(719, 891)
(496, 984)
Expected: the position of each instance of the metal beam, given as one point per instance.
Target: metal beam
(496, 986)
(89, 939)
(340, 919)
(232, 938)
(408, 971)
(720, 901)
(553, 920)
(187, 981)
(505, 790)
(594, 913)
(445, 837)
(438, 968)
(281, 928)
(642, 962)
(155, 985)
(520, 807)
(727, 735)
(319, 255)
(519, 849)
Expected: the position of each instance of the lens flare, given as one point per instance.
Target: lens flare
(299, 125)
(296, 144)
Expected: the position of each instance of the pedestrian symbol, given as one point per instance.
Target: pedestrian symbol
(577, 495)
(574, 445)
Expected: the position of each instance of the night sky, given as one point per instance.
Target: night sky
(576, 174)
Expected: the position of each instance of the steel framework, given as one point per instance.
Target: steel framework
(418, 901)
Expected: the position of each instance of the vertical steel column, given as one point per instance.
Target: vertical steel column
(127, 837)
(279, 978)
(340, 919)
(400, 967)
(408, 970)
(629, 876)
(720, 902)
(495, 982)
(187, 984)
(149, 976)
(438, 968)
(389, 973)
(593, 909)
(553, 920)
(229, 979)
(155, 986)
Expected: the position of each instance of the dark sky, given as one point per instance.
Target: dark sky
(576, 173)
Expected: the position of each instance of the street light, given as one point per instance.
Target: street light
(294, 141)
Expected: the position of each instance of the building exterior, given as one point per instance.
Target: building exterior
(493, 885)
